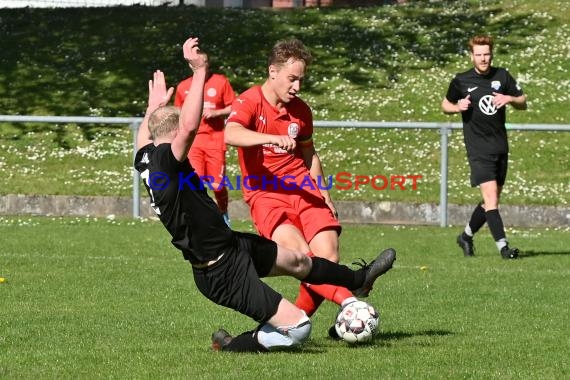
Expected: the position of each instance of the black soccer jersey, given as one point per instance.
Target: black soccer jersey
(484, 130)
(181, 202)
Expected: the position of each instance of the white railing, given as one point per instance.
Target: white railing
(443, 127)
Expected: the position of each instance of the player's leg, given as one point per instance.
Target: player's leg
(481, 171)
(465, 239)
(321, 229)
(289, 327)
(282, 324)
(197, 159)
(491, 191)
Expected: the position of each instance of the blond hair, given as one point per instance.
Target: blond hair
(163, 120)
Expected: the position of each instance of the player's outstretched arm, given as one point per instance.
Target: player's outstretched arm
(237, 135)
(158, 96)
(191, 112)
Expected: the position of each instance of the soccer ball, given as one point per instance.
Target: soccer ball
(357, 322)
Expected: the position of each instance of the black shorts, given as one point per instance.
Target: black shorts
(234, 281)
(489, 168)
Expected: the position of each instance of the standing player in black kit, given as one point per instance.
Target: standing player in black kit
(481, 94)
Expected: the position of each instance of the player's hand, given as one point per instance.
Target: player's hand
(501, 100)
(284, 142)
(208, 113)
(158, 95)
(193, 55)
(332, 208)
(464, 103)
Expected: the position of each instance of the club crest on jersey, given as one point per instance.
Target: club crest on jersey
(293, 130)
(496, 85)
(211, 92)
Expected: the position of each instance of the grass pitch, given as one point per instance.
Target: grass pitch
(88, 298)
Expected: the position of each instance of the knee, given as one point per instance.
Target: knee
(301, 264)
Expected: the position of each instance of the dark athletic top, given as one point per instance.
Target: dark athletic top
(484, 130)
(181, 202)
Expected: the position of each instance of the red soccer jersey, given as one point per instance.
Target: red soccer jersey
(218, 94)
(295, 119)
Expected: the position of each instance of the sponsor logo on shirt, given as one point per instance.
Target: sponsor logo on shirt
(486, 105)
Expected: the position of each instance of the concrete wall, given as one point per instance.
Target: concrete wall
(349, 211)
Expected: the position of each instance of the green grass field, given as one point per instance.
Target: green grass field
(384, 63)
(87, 298)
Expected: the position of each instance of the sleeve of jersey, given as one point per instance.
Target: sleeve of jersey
(138, 164)
(306, 137)
(243, 112)
(228, 93)
(512, 87)
(454, 91)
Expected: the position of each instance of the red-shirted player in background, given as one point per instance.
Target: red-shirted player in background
(273, 129)
(208, 153)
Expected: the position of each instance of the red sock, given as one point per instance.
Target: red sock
(311, 296)
(333, 293)
(308, 300)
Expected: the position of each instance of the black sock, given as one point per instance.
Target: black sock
(327, 272)
(495, 224)
(245, 342)
(478, 219)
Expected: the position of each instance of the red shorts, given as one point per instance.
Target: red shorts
(310, 214)
(209, 163)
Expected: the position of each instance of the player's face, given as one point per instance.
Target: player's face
(287, 79)
(481, 57)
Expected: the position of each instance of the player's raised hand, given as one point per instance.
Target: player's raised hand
(192, 54)
(158, 95)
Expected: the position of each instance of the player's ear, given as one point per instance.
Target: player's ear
(272, 71)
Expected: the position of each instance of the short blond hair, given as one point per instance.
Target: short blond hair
(163, 120)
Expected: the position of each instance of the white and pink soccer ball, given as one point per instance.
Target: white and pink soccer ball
(357, 322)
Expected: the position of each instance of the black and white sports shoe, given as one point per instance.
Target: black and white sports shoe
(382, 264)
(220, 339)
(509, 253)
(466, 244)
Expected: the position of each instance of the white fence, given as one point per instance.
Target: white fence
(444, 130)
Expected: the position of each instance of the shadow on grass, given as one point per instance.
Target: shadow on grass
(383, 339)
(529, 254)
(398, 335)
